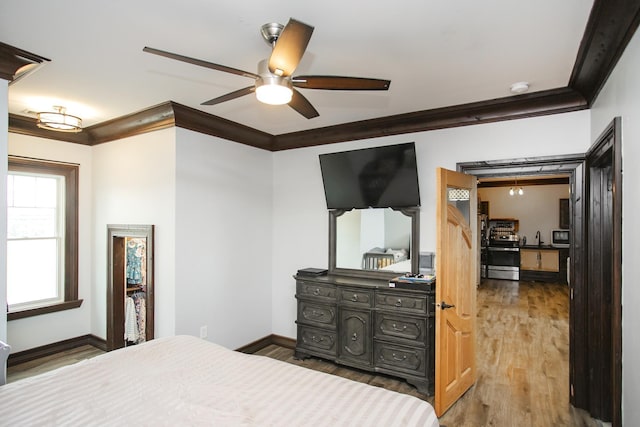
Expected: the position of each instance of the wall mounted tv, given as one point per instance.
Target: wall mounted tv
(379, 177)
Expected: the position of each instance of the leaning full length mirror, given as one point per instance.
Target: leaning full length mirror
(130, 285)
(373, 242)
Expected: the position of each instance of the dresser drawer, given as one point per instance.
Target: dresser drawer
(356, 297)
(318, 314)
(314, 290)
(414, 304)
(390, 326)
(317, 340)
(399, 359)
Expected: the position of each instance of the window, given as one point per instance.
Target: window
(42, 230)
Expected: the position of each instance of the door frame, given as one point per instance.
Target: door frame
(574, 165)
(605, 311)
(580, 391)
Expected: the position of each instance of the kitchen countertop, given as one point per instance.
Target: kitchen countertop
(541, 247)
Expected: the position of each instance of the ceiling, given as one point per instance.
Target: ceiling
(436, 54)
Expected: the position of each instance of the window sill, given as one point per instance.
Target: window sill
(67, 305)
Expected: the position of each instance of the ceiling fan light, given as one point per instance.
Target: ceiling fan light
(59, 121)
(512, 191)
(274, 94)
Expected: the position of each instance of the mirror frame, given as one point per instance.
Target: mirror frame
(412, 212)
(135, 231)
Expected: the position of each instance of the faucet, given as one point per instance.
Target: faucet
(540, 242)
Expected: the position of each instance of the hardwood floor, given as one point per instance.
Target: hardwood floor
(522, 360)
(48, 363)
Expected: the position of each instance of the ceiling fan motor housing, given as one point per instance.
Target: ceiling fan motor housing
(270, 32)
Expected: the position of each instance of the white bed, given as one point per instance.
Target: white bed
(184, 380)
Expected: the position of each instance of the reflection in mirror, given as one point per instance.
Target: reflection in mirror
(129, 285)
(374, 242)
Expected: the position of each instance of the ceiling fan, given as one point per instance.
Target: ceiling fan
(274, 83)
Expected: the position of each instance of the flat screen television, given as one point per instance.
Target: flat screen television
(379, 177)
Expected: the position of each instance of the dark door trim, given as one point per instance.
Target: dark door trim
(574, 166)
(604, 273)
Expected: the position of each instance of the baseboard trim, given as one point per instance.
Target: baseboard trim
(57, 347)
(266, 341)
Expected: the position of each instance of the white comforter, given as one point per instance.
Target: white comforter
(186, 381)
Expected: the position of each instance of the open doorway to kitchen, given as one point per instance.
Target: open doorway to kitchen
(595, 342)
(567, 172)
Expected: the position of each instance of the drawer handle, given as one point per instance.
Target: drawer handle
(354, 337)
(315, 339)
(399, 359)
(316, 292)
(395, 328)
(315, 313)
(398, 303)
(354, 298)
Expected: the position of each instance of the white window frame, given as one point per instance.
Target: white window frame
(57, 236)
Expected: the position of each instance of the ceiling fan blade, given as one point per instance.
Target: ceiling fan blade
(302, 105)
(200, 62)
(289, 48)
(230, 96)
(339, 83)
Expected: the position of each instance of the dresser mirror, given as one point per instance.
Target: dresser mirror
(373, 243)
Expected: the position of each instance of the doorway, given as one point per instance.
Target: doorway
(585, 332)
(130, 286)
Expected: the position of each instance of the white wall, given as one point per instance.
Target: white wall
(35, 331)
(134, 183)
(223, 239)
(620, 97)
(538, 209)
(4, 129)
(300, 213)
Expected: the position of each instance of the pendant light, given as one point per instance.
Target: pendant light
(513, 191)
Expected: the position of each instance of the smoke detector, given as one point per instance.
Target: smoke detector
(520, 87)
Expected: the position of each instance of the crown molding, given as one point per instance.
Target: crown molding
(161, 116)
(199, 121)
(609, 29)
(611, 25)
(171, 114)
(514, 107)
(27, 126)
(16, 63)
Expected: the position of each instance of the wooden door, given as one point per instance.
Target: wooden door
(456, 210)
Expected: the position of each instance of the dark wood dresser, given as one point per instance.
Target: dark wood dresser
(365, 324)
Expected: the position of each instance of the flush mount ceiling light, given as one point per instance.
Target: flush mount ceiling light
(520, 87)
(59, 121)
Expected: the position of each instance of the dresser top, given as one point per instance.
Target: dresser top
(359, 282)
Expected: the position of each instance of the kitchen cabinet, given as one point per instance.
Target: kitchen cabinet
(543, 264)
(539, 260)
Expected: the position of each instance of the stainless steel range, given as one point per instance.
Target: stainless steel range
(503, 252)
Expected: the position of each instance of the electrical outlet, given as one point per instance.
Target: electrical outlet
(203, 331)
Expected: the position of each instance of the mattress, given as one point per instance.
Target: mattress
(184, 380)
